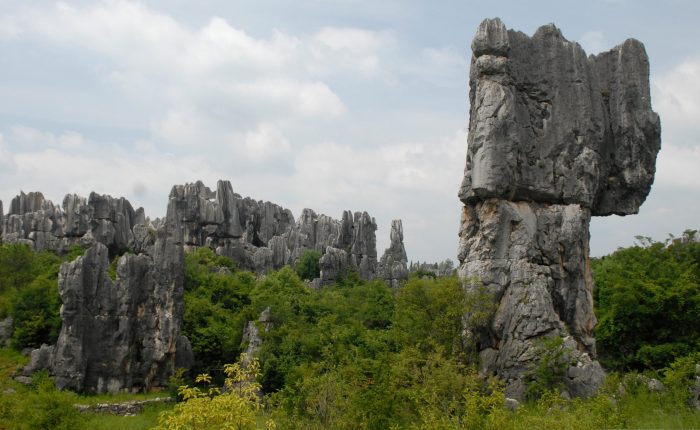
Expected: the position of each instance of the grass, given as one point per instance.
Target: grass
(93, 399)
(637, 408)
(145, 420)
(42, 407)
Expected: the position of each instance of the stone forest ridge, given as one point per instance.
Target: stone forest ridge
(124, 333)
(555, 137)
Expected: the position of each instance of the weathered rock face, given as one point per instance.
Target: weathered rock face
(393, 264)
(121, 334)
(550, 124)
(261, 236)
(555, 137)
(99, 218)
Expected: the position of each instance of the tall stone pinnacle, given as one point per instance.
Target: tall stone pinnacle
(555, 137)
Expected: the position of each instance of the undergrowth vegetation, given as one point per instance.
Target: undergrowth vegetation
(360, 355)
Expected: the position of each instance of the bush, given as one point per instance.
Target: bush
(44, 407)
(648, 304)
(308, 267)
(35, 309)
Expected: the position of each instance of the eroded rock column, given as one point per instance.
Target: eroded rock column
(555, 137)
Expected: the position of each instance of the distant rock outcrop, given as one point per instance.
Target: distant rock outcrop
(78, 221)
(555, 136)
(393, 264)
(443, 268)
(262, 236)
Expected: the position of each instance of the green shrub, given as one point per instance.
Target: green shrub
(35, 309)
(44, 407)
(308, 267)
(648, 304)
(549, 371)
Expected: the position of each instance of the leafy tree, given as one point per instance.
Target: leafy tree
(236, 409)
(35, 309)
(431, 311)
(648, 304)
(29, 293)
(308, 267)
(217, 306)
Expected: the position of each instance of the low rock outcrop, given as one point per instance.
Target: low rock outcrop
(555, 137)
(393, 264)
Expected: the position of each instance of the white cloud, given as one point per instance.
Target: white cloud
(268, 112)
(44, 162)
(677, 166)
(676, 96)
(350, 49)
(594, 42)
(263, 143)
(198, 81)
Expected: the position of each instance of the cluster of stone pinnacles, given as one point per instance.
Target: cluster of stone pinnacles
(124, 333)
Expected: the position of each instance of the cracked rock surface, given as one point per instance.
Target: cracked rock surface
(393, 264)
(262, 236)
(555, 137)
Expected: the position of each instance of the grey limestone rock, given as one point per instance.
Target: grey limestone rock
(393, 264)
(251, 335)
(443, 268)
(119, 334)
(555, 137)
(262, 236)
(549, 124)
(334, 265)
(78, 221)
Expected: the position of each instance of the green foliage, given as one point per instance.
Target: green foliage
(207, 408)
(680, 376)
(29, 293)
(217, 299)
(648, 304)
(430, 311)
(17, 266)
(35, 309)
(42, 407)
(308, 266)
(549, 371)
(74, 252)
(112, 269)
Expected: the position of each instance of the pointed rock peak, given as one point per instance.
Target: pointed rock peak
(548, 30)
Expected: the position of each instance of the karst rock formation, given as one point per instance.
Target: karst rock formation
(262, 236)
(555, 137)
(393, 266)
(122, 301)
(119, 331)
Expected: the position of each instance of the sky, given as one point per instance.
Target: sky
(327, 104)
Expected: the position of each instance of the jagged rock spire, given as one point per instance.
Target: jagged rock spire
(393, 264)
(555, 136)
